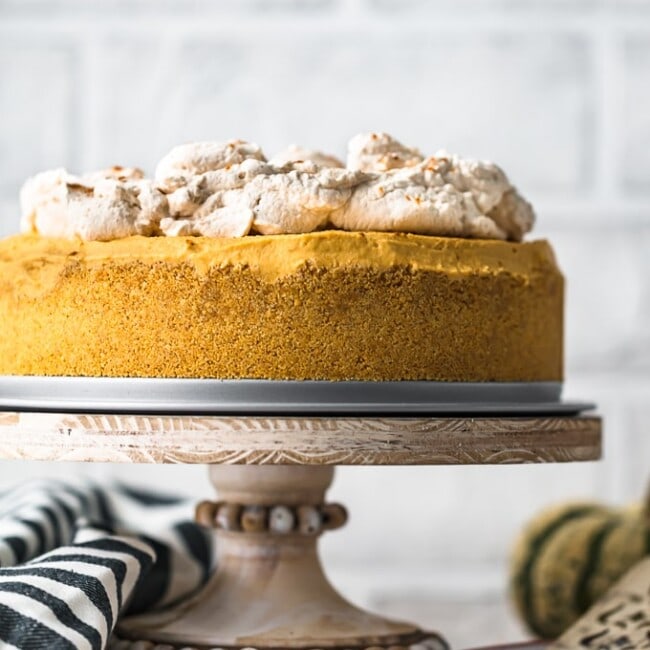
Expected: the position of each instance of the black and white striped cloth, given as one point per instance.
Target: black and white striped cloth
(75, 557)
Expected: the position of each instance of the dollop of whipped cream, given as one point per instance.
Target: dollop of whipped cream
(104, 205)
(442, 195)
(295, 154)
(220, 198)
(230, 189)
(185, 161)
(380, 152)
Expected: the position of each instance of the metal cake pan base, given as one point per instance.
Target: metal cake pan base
(256, 396)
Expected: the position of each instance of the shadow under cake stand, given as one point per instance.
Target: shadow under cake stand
(271, 473)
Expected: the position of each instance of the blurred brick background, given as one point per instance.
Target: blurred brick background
(556, 92)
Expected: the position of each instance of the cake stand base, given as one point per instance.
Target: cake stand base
(269, 590)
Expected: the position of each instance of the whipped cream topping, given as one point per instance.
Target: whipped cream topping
(404, 202)
(294, 198)
(97, 206)
(296, 154)
(380, 152)
(188, 160)
(229, 189)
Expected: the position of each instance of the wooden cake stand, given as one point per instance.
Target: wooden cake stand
(271, 473)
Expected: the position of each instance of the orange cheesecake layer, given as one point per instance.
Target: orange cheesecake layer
(326, 305)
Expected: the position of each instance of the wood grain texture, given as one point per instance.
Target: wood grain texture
(423, 641)
(269, 591)
(298, 440)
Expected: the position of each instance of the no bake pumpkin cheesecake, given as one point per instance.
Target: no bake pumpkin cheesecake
(228, 265)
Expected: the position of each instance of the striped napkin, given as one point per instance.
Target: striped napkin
(76, 557)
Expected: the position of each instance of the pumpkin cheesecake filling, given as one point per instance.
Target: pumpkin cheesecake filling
(325, 305)
(226, 265)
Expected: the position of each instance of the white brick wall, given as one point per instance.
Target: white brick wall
(557, 92)
(37, 102)
(636, 113)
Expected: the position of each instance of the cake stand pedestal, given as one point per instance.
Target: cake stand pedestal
(271, 474)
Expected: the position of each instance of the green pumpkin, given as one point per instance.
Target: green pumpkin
(568, 556)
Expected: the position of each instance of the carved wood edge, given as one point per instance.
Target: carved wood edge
(298, 440)
(421, 641)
